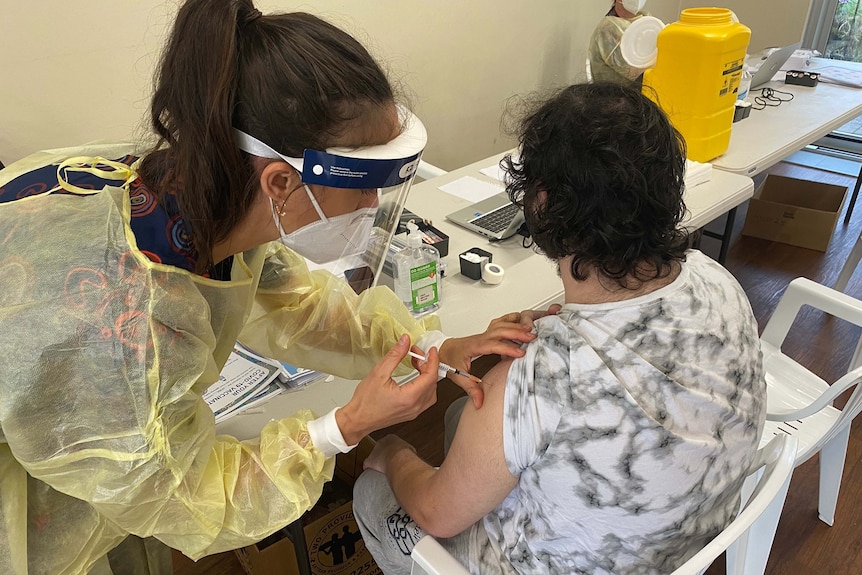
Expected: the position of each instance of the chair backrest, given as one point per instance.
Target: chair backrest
(759, 516)
(757, 521)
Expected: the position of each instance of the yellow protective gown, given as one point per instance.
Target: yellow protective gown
(606, 60)
(104, 356)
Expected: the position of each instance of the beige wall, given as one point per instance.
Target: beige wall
(73, 74)
(772, 22)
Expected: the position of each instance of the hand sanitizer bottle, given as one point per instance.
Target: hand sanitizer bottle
(417, 274)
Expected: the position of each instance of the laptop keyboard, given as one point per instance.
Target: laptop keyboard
(498, 220)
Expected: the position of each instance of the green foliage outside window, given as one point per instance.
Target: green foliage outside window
(845, 37)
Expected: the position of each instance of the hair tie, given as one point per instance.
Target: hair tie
(250, 17)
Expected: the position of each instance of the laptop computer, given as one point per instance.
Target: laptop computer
(495, 217)
(772, 64)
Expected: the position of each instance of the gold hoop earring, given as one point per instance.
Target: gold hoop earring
(280, 210)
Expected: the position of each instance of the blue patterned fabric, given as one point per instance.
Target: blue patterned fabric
(160, 233)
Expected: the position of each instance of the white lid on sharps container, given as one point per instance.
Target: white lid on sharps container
(638, 45)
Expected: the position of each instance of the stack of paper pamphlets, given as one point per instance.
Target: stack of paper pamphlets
(696, 173)
(249, 379)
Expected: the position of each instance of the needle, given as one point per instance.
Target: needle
(447, 367)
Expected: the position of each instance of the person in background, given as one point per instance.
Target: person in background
(129, 275)
(606, 61)
(619, 443)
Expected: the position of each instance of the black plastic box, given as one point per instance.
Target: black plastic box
(434, 237)
(801, 78)
(741, 111)
(474, 270)
(431, 235)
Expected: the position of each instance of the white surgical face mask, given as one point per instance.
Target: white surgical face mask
(329, 239)
(634, 6)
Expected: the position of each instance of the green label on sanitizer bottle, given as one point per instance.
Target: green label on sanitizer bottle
(423, 285)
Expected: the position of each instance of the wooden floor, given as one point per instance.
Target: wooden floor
(803, 544)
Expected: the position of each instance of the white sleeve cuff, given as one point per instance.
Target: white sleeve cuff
(431, 339)
(326, 436)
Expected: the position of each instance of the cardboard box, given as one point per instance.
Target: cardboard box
(796, 212)
(334, 543)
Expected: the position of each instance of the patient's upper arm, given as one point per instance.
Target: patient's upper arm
(474, 478)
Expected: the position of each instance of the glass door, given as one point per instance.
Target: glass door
(834, 28)
(845, 32)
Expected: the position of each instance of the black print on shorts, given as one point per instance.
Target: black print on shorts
(403, 530)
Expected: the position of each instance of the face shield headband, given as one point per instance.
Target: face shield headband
(388, 167)
(382, 166)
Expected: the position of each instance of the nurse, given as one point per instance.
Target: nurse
(128, 275)
(606, 61)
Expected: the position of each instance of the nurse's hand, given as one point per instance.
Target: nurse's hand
(504, 337)
(379, 401)
(528, 316)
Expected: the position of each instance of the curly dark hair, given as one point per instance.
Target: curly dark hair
(600, 176)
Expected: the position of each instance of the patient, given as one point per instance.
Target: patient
(619, 442)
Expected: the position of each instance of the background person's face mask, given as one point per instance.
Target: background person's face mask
(634, 6)
(329, 239)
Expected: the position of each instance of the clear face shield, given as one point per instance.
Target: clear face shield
(360, 209)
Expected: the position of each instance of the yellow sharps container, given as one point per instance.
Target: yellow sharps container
(696, 77)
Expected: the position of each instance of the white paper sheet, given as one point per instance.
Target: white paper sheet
(495, 172)
(471, 189)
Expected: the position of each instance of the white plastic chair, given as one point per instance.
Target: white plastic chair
(851, 263)
(799, 403)
(429, 558)
(750, 535)
(748, 538)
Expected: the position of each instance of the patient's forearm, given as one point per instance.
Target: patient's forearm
(412, 481)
